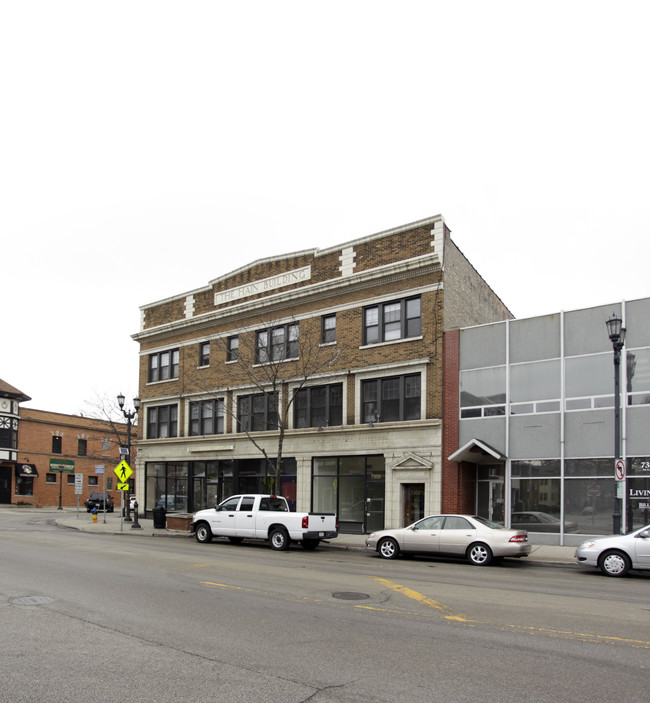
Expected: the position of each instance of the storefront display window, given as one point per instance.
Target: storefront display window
(353, 488)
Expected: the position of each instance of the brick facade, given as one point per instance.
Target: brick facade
(84, 441)
(396, 265)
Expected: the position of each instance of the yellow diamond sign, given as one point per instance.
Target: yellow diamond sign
(123, 471)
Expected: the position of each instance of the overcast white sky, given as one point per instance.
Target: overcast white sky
(149, 147)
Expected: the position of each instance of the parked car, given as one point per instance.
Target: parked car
(535, 521)
(99, 501)
(475, 538)
(617, 554)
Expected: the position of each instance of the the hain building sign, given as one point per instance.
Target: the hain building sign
(264, 285)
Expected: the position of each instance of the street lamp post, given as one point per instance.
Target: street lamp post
(129, 415)
(616, 333)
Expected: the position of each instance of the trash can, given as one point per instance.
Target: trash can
(159, 518)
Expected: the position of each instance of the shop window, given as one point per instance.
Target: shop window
(24, 486)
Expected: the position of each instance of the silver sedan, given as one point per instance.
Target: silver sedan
(475, 538)
(617, 554)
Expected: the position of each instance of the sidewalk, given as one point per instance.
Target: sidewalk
(113, 525)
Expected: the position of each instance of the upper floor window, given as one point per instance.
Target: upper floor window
(391, 399)
(483, 392)
(207, 417)
(204, 354)
(163, 365)
(56, 444)
(162, 421)
(328, 329)
(257, 413)
(82, 447)
(318, 406)
(277, 343)
(232, 350)
(8, 432)
(398, 319)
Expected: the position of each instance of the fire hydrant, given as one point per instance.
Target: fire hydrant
(94, 512)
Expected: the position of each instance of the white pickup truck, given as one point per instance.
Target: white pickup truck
(260, 516)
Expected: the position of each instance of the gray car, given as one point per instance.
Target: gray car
(469, 536)
(617, 554)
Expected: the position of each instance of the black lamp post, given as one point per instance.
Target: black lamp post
(129, 415)
(616, 333)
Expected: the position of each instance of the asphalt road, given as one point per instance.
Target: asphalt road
(109, 618)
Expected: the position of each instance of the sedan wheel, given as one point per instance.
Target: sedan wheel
(614, 563)
(479, 554)
(388, 548)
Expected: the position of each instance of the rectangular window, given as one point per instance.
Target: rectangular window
(257, 413)
(232, 350)
(204, 354)
(92, 481)
(277, 343)
(50, 478)
(391, 399)
(70, 479)
(207, 417)
(82, 447)
(56, 444)
(328, 329)
(318, 406)
(162, 421)
(163, 366)
(386, 322)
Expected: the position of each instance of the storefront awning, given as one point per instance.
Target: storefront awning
(26, 471)
(477, 452)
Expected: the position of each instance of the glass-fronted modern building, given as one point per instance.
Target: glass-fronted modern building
(536, 421)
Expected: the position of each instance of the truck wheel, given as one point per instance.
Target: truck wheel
(203, 533)
(279, 539)
(310, 544)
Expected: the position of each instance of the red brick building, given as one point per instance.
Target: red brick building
(42, 451)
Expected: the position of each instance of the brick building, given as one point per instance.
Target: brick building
(342, 348)
(41, 451)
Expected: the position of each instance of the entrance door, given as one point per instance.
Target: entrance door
(490, 502)
(5, 484)
(412, 503)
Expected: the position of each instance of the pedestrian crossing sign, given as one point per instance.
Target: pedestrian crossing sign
(123, 471)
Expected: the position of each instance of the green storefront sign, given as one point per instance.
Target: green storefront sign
(64, 466)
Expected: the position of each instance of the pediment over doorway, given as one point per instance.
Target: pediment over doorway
(477, 452)
(411, 461)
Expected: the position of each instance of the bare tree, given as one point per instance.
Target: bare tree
(106, 409)
(275, 361)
